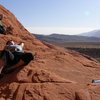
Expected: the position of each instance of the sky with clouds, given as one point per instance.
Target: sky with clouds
(56, 16)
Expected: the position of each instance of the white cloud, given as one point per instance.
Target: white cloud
(60, 30)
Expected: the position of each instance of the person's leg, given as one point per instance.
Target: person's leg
(2, 63)
(20, 63)
(27, 57)
(7, 70)
(6, 58)
(24, 60)
(2, 60)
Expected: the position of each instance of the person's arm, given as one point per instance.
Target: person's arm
(10, 48)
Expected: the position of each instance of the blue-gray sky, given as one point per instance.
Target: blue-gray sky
(56, 16)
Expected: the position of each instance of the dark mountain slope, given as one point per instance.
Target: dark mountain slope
(66, 38)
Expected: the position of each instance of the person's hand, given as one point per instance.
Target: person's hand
(22, 44)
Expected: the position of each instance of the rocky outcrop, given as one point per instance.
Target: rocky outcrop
(55, 74)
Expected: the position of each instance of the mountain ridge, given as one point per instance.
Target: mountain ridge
(94, 33)
(67, 38)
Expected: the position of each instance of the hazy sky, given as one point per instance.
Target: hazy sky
(56, 16)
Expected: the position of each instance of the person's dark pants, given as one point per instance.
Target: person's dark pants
(26, 57)
(7, 56)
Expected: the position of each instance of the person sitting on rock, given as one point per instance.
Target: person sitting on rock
(2, 27)
(14, 57)
(5, 30)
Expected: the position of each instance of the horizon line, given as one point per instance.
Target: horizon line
(60, 30)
